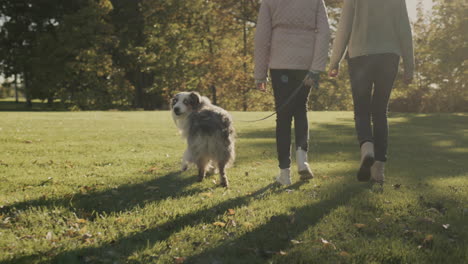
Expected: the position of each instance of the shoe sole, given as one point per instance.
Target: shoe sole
(306, 175)
(364, 173)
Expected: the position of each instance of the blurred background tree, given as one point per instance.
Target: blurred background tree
(102, 54)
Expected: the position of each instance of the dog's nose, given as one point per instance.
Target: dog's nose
(176, 110)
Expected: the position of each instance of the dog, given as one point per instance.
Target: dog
(209, 132)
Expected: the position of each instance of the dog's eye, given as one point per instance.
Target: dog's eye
(186, 102)
(174, 101)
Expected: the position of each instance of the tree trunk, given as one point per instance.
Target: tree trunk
(27, 93)
(213, 94)
(16, 88)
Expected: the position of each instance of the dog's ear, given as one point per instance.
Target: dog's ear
(195, 99)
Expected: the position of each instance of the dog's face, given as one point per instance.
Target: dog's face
(185, 102)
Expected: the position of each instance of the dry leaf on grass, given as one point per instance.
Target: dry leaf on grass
(152, 188)
(220, 224)
(179, 260)
(231, 212)
(345, 254)
(327, 244)
(427, 242)
(359, 226)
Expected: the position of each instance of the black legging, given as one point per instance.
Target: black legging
(284, 83)
(372, 78)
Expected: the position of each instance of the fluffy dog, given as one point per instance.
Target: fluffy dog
(209, 132)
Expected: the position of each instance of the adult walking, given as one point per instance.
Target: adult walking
(375, 33)
(292, 41)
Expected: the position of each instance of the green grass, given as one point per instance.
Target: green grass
(104, 187)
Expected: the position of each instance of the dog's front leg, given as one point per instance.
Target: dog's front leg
(185, 160)
(201, 169)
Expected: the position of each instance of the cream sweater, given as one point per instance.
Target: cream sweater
(287, 36)
(371, 27)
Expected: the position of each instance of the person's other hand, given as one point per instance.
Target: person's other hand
(333, 73)
(312, 79)
(261, 87)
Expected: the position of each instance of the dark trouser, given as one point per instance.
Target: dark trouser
(372, 78)
(284, 84)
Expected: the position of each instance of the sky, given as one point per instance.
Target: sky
(411, 5)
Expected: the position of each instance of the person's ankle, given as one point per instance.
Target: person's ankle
(284, 177)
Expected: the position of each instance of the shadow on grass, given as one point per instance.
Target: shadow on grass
(90, 204)
(133, 242)
(264, 242)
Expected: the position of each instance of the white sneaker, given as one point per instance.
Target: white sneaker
(302, 165)
(284, 177)
(367, 160)
(377, 172)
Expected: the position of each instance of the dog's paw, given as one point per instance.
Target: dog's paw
(184, 167)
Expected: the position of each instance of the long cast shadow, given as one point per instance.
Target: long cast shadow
(136, 241)
(258, 245)
(90, 204)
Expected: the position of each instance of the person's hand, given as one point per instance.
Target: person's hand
(261, 87)
(312, 79)
(333, 73)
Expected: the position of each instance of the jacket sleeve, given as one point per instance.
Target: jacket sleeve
(322, 43)
(406, 41)
(343, 34)
(262, 42)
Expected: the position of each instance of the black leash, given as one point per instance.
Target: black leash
(281, 107)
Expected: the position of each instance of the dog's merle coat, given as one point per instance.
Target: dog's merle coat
(209, 132)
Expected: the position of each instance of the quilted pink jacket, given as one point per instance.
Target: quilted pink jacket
(291, 34)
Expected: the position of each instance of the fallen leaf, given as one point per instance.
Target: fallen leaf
(446, 226)
(427, 242)
(152, 170)
(81, 221)
(295, 242)
(231, 212)
(345, 254)
(359, 226)
(396, 186)
(179, 260)
(152, 188)
(220, 224)
(28, 141)
(327, 244)
(282, 253)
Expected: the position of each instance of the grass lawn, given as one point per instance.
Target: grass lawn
(104, 187)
